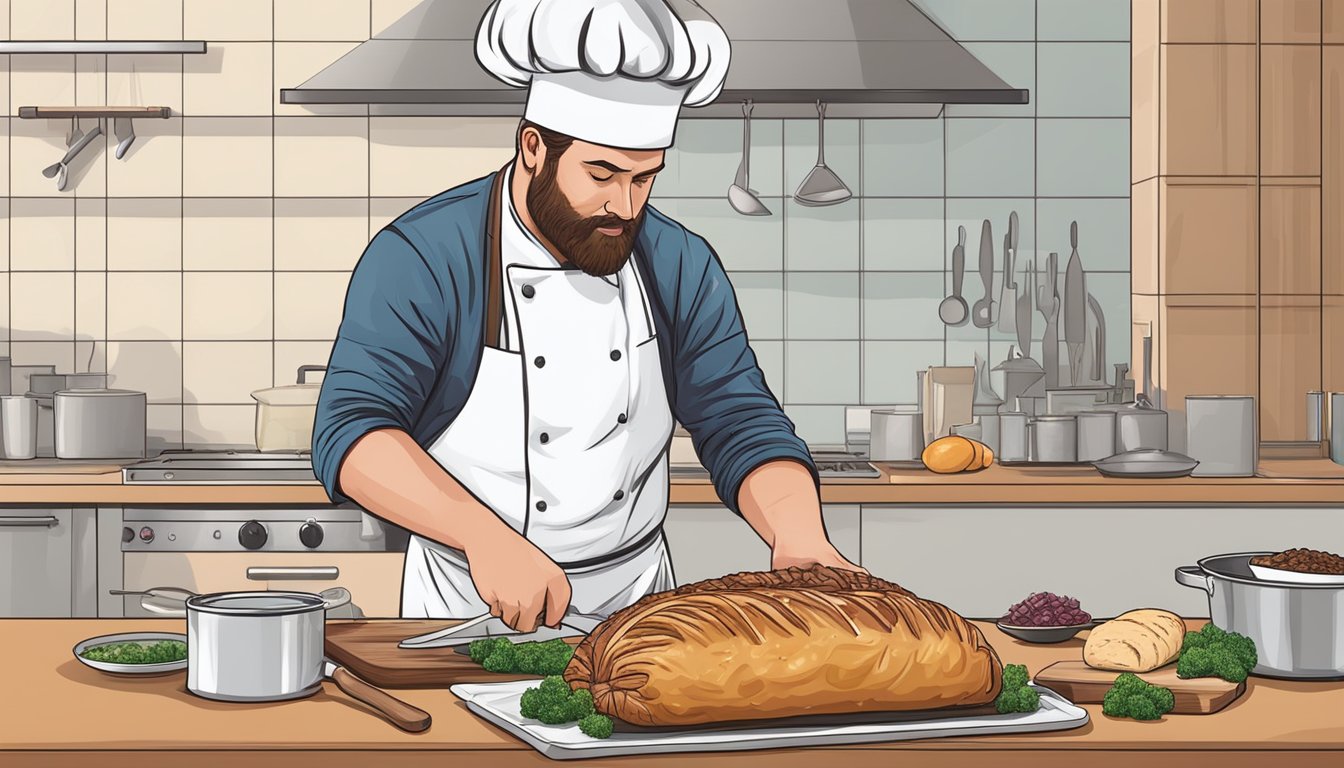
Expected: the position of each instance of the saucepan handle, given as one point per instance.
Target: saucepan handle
(1194, 576)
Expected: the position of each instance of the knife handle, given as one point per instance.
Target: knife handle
(401, 714)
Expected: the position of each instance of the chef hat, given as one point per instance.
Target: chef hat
(610, 72)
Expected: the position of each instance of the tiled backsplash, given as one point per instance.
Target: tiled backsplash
(212, 260)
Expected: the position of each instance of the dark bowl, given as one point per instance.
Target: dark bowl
(1044, 634)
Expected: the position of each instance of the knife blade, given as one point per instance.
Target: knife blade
(1099, 344)
(572, 625)
(1075, 308)
(982, 313)
(1024, 299)
(1008, 296)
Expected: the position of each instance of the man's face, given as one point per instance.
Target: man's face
(589, 202)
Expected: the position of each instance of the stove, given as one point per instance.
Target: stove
(222, 468)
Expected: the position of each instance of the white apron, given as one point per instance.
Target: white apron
(564, 436)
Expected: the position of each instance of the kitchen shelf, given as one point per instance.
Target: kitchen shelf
(30, 113)
(102, 46)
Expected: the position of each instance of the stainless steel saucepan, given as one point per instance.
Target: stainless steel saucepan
(1298, 629)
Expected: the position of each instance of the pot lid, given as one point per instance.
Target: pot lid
(99, 392)
(1237, 567)
(256, 603)
(290, 394)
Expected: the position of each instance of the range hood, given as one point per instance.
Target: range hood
(864, 58)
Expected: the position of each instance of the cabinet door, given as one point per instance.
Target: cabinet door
(707, 542)
(373, 578)
(35, 562)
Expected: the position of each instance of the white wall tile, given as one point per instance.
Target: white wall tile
(227, 157)
(990, 156)
(1083, 80)
(308, 305)
(295, 63)
(818, 424)
(42, 19)
(426, 155)
(219, 426)
(1091, 20)
(321, 156)
(144, 19)
(760, 297)
(144, 233)
(889, 369)
(821, 305)
(322, 20)
(223, 234)
(90, 234)
(742, 243)
(821, 239)
(58, 353)
(903, 157)
(903, 234)
(320, 234)
(144, 306)
(822, 372)
(91, 19)
(90, 306)
(152, 367)
(225, 372)
(37, 79)
(707, 153)
(145, 79)
(42, 306)
(4, 244)
(227, 306)
(227, 20)
(163, 424)
(90, 81)
(1083, 157)
(902, 305)
(289, 355)
(41, 234)
(983, 19)
(152, 166)
(33, 146)
(228, 79)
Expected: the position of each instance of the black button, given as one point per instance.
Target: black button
(541, 506)
(619, 495)
(621, 419)
(545, 438)
(529, 291)
(615, 354)
(540, 361)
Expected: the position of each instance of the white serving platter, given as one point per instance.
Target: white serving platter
(498, 703)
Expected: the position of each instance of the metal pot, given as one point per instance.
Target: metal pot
(100, 424)
(285, 414)
(255, 646)
(1298, 629)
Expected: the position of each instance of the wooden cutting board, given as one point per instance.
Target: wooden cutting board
(369, 649)
(1082, 684)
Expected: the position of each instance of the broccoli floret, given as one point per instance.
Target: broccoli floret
(553, 703)
(1215, 652)
(554, 713)
(581, 704)
(531, 658)
(1134, 698)
(530, 705)
(596, 726)
(480, 650)
(554, 686)
(1016, 695)
(504, 658)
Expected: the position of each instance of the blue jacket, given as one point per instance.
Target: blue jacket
(410, 342)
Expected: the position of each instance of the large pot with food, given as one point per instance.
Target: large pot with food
(1297, 623)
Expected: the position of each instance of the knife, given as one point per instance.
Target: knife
(1008, 298)
(982, 314)
(405, 716)
(485, 625)
(1075, 308)
(1099, 347)
(1047, 302)
(1024, 299)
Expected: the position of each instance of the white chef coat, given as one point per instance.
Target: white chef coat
(564, 436)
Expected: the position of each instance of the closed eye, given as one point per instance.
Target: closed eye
(600, 178)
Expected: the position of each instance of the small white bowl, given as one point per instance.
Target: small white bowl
(1295, 577)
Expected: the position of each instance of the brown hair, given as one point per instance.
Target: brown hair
(556, 143)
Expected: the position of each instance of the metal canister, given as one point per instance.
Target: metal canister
(1013, 436)
(1337, 427)
(1096, 435)
(1054, 439)
(896, 436)
(1221, 435)
(1140, 428)
(1315, 416)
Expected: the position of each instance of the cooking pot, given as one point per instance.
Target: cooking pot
(1298, 629)
(285, 414)
(99, 424)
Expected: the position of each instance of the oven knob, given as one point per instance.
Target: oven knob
(252, 535)
(311, 535)
(146, 534)
(127, 535)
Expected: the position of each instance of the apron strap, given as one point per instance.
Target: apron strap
(494, 298)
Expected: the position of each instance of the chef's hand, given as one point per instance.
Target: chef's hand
(522, 586)
(820, 553)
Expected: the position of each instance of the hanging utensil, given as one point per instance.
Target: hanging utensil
(952, 310)
(125, 131)
(60, 168)
(1024, 301)
(740, 195)
(1008, 298)
(982, 314)
(821, 186)
(76, 133)
(1075, 308)
(1099, 343)
(1047, 303)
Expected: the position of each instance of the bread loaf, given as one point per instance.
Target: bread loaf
(1137, 641)
(779, 644)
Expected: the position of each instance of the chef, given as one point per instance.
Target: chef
(515, 352)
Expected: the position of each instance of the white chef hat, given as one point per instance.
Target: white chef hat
(610, 72)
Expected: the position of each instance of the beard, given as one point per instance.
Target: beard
(575, 236)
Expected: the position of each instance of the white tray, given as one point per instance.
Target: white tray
(498, 703)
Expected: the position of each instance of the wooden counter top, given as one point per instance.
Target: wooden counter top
(1302, 482)
(63, 713)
